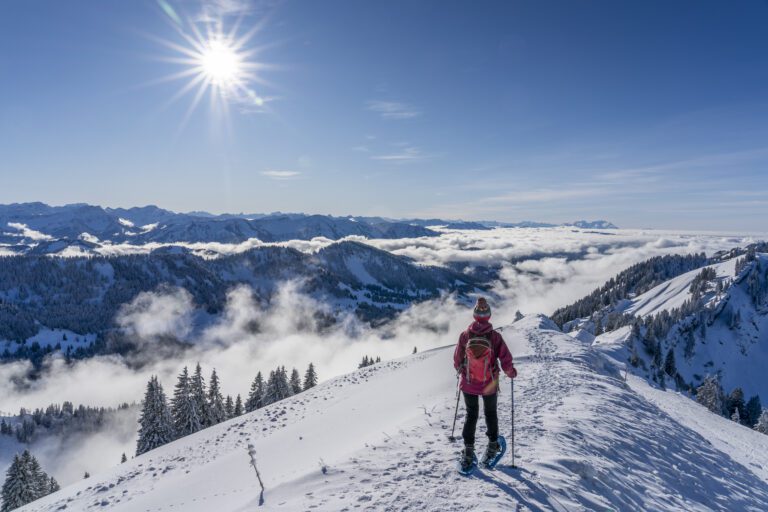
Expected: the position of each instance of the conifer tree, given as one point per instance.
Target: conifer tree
(123, 459)
(197, 392)
(753, 410)
(257, 394)
(414, 350)
(184, 411)
(670, 368)
(736, 416)
(710, 395)
(18, 488)
(53, 485)
(238, 407)
(310, 377)
(216, 411)
(229, 407)
(156, 425)
(295, 382)
(734, 402)
(762, 422)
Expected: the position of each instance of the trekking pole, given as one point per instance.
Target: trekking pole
(456, 412)
(512, 399)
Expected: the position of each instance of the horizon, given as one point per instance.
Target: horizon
(647, 115)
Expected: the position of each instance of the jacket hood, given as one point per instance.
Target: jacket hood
(480, 327)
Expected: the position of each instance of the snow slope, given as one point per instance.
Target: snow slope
(673, 293)
(376, 439)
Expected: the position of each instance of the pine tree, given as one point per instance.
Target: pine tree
(86, 475)
(753, 410)
(123, 459)
(710, 395)
(25, 482)
(762, 422)
(197, 392)
(414, 348)
(238, 407)
(216, 411)
(271, 389)
(256, 396)
(184, 411)
(669, 363)
(295, 382)
(18, 488)
(53, 485)
(229, 407)
(736, 416)
(735, 402)
(156, 425)
(310, 377)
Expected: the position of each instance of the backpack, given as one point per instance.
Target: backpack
(479, 359)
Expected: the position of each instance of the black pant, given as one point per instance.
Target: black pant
(473, 411)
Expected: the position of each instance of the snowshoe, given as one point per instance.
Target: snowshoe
(468, 462)
(494, 453)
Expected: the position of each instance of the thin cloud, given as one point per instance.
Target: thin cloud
(547, 195)
(281, 175)
(406, 154)
(393, 109)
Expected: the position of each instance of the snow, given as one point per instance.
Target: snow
(376, 439)
(125, 222)
(50, 337)
(673, 293)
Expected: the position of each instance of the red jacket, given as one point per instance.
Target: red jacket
(500, 353)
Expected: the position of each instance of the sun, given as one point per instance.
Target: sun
(221, 64)
(214, 62)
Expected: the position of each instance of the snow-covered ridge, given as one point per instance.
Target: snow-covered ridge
(376, 439)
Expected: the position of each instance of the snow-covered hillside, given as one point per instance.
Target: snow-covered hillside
(377, 439)
(723, 330)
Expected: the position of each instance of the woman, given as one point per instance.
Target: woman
(477, 356)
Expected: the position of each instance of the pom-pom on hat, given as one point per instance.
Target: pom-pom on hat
(482, 310)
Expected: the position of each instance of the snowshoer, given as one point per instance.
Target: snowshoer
(477, 356)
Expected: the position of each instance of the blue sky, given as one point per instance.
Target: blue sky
(648, 114)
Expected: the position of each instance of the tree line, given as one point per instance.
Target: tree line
(195, 406)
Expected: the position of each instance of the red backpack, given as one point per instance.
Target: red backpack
(479, 358)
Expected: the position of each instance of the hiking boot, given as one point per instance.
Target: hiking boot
(493, 449)
(467, 457)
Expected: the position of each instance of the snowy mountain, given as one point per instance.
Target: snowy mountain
(710, 322)
(83, 294)
(593, 224)
(377, 439)
(25, 225)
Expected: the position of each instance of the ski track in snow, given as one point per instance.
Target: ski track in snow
(585, 441)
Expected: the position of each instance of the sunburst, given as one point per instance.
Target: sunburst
(217, 63)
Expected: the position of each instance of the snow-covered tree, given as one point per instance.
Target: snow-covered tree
(86, 475)
(229, 407)
(736, 416)
(156, 425)
(238, 407)
(123, 459)
(295, 382)
(53, 485)
(216, 410)
(735, 402)
(184, 411)
(310, 377)
(197, 392)
(710, 395)
(18, 488)
(255, 398)
(25, 482)
(762, 422)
